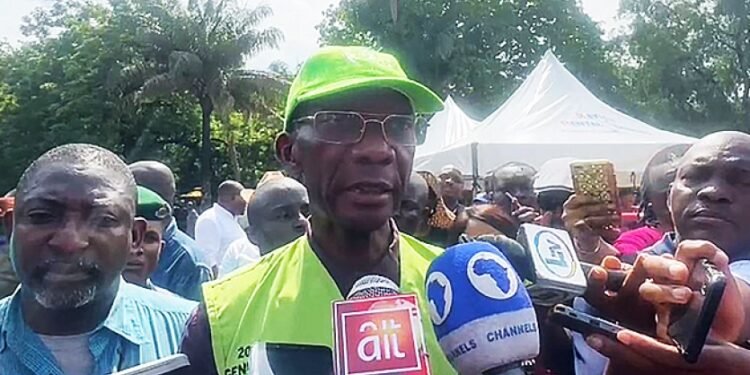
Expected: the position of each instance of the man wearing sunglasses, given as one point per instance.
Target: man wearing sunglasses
(350, 134)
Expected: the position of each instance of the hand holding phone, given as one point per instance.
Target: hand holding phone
(583, 323)
(690, 324)
(523, 214)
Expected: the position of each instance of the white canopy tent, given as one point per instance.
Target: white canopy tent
(445, 128)
(553, 115)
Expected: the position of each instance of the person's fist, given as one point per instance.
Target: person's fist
(670, 283)
(596, 214)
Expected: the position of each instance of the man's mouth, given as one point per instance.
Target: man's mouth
(374, 188)
(67, 272)
(709, 216)
(133, 265)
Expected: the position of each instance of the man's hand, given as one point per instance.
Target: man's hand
(524, 214)
(669, 286)
(625, 305)
(634, 353)
(590, 246)
(596, 215)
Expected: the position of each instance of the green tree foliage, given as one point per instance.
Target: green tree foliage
(479, 51)
(64, 86)
(687, 62)
(197, 51)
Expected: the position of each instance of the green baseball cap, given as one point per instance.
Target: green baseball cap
(333, 70)
(151, 206)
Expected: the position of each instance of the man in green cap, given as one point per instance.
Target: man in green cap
(144, 259)
(350, 134)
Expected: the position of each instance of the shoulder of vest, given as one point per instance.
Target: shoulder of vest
(421, 248)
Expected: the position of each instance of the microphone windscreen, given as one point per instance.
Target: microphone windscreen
(480, 310)
(372, 286)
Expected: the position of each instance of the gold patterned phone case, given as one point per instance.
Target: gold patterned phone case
(596, 179)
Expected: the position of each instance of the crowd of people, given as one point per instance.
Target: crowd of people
(98, 277)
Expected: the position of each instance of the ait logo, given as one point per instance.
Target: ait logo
(492, 275)
(440, 296)
(555, 253)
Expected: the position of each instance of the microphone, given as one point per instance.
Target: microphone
(546, 261)
(379, 330)
(372, 286)
(481, 312)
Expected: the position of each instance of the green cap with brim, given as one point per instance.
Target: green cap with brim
(334, 70)
(151, 206)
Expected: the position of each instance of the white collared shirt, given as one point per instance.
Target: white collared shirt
(215, 230)
(239, 253)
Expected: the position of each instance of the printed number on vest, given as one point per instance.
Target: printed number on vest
(243, 352)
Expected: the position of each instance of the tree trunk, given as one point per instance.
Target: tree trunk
(233, 156)
(207, 108)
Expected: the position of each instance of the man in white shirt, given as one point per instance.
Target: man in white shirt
(276, 213)
(217, 227)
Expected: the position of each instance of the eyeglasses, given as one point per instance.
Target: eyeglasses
(342, 128)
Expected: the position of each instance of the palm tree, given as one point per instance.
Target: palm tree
(197, 50)
(249, 92)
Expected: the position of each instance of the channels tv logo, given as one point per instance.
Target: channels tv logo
(440, 296)
(555, 254)
(492, 275)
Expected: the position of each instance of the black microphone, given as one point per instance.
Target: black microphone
(546, 261)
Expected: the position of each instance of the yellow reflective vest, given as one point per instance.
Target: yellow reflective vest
(287, 298)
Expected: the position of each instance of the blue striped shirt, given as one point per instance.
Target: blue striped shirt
(142, 326)
(179, 269)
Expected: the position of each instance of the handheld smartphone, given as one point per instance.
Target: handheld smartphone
(596, 179)
(689, 324)
(583, 323)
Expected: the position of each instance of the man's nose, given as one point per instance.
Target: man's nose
(716, 191)
(136, 251)
(71, 237)
(373, 148)
(301, 224)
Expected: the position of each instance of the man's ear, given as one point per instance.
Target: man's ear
(669, 198)
(285, 144)
(8, 223)
(139, 228)
(162, 243)
(252, 235)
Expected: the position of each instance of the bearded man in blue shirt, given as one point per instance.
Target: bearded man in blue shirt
(74, 226)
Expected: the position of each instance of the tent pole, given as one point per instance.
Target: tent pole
(474, 168)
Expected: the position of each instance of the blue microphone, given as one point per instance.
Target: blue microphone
(481, 312)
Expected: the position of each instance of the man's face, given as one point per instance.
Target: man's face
(412, 215)
(280, 218)
(237, 205)
(710, 197)
(357, 186)
(144, 259)
(451, 186)
(73, 231)
(513, 181)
